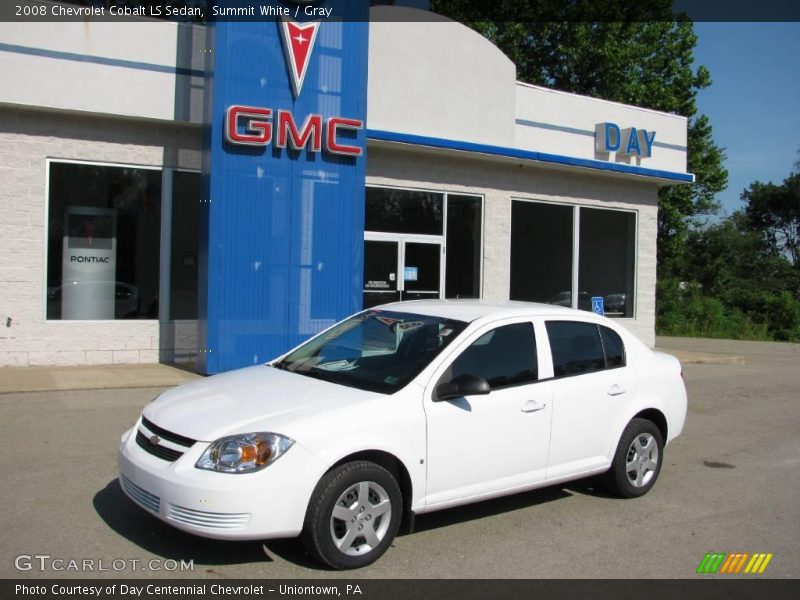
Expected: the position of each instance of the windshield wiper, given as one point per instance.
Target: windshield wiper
(323, 374)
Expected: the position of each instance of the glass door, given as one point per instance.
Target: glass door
(422, 271)
(381, 265)
(400, 269)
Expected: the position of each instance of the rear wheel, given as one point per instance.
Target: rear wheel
(637, 461)
(353, 516)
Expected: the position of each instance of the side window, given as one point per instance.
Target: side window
(576, 347)
(504, 357)
(614, 348)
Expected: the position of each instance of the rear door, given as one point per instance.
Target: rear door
(592, 386)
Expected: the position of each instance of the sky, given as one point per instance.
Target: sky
(754, 100)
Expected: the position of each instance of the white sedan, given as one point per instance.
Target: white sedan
(400, 410)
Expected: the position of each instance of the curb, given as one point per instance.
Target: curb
(688, 357)
(14, 380)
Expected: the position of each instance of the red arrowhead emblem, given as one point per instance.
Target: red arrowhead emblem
(298, 43)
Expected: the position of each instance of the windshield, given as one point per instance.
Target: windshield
(379, 351)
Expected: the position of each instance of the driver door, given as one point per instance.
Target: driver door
(483, 444)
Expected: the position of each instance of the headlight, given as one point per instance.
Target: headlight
(244, 453)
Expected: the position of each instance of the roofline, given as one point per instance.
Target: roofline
(603, 100)
(528, 155)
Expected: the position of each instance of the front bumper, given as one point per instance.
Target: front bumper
(270, 503)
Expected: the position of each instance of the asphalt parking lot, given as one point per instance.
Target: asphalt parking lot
(729, 484)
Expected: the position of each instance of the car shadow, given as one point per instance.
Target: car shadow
(591, 486)
(487, 508)
(143, 529)
(151, 534)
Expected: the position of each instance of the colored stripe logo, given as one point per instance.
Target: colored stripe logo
(734, 563)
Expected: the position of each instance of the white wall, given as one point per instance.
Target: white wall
(438, 79)
(45, 67)
(430, 78)
(561, 123)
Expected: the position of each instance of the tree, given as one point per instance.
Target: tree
(737, 285)
(636, 53)
(774, 212)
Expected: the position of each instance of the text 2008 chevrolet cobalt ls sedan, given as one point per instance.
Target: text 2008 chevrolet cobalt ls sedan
(400, 410)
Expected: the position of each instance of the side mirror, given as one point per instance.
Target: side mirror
(463, 385)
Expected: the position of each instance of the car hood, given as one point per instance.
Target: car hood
(258, 398)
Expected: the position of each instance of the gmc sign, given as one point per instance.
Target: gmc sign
(255, 126)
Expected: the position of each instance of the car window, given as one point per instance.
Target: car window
(375, 350)
(576, 347)
(504, 357)
(613, 347)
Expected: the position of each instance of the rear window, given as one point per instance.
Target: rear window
(613, 347)
(579, 348)
(576, 348)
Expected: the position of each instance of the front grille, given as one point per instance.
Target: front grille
(202, 518)
(168, 435)
(140, 496)
(161, 452)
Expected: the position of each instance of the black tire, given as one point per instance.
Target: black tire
(370, 534)
(637, 481)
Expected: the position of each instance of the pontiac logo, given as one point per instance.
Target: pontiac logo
(154, 439)
(298, 44)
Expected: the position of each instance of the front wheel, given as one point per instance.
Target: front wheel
(353, 516)
(637, 461)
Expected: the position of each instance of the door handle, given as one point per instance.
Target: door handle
(616, 390)
(533, 406)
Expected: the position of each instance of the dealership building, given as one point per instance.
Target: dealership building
(181, 193)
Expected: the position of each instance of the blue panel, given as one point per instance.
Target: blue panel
(282, 256)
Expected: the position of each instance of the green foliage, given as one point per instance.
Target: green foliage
(737, 286)
(731, 279)
(687, 312)
(638, 54)
(774, 212)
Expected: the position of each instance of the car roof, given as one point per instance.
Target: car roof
(470, 310)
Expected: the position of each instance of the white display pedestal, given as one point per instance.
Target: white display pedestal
(89, 268)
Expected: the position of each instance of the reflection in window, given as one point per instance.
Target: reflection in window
(103, 242)
(504, 357)
(463, 247)
(542, 262)
(404, 211)
(613, 347)
(607, 250)
(183, 251)
(576, 347)
(541, 253)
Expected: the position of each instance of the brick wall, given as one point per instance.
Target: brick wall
(27, 139)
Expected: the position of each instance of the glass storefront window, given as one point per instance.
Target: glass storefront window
(541, 252)
(607, 250)
(463, 256)
(543, 257)
(404, 211)
(103, 246)
(184, 243)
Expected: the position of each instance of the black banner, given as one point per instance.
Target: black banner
(396, 589)
(203, 11)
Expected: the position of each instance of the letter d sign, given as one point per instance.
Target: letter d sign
(607, 137)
